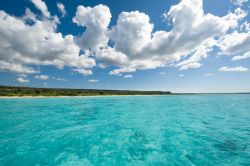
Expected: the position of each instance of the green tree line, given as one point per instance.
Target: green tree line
(28, 91)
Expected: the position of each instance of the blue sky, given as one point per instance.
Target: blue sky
(181, 46)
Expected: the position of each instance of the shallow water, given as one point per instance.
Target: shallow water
(126, 130)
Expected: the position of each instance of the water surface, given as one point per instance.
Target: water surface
(126, 130)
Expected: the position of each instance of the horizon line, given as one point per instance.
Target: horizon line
(173, 93)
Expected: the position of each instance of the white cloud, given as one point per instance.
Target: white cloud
(245, 26)
(193, 36)
(191, 29)
(122, 70)
(232, 18)
(233, 69)
(132, 32)
(29, 15)
(181, 75)
(61, 8)
(235, 43)
(96, 21)
(83, 71)
(41, 77)
(93, 81)
(135, 44)
(190, 66)
(200, 53)
(109, 56)
(22, 80)
(128, 76)
(59, 79)
(241, 57)
(42, 7)
(23, 44)
(15, 68)
(239, 2)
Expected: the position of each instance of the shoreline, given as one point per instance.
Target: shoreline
(9, 97)
(172, 94)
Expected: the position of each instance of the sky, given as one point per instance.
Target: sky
(169, 45)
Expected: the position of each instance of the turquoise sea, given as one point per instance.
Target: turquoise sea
(126, 130)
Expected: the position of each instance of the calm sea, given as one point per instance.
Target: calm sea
(126, 130)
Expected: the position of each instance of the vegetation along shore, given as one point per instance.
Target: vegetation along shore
(28, 91)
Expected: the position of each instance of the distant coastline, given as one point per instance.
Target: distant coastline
(20, 97)
(10, 91)
(30, 92)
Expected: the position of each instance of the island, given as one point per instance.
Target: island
(10, 91)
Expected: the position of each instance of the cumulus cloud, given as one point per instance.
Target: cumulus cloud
(96, 20)
(193, 36)
(190, 66)
(46, 77)
(15, 68)
(23, 44)
(132, 32)
(42, 7)
(41, 77)
(93, 81)
(200, 53)
(109, 56)
(22, 80)
(191, 29)
(239, 2)
(29, 15)
(241, 57)
(235, 43)
(121, 70)
(233, 69)
(83, 71)
(131, 44)
(61, 8)
(245, 26)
